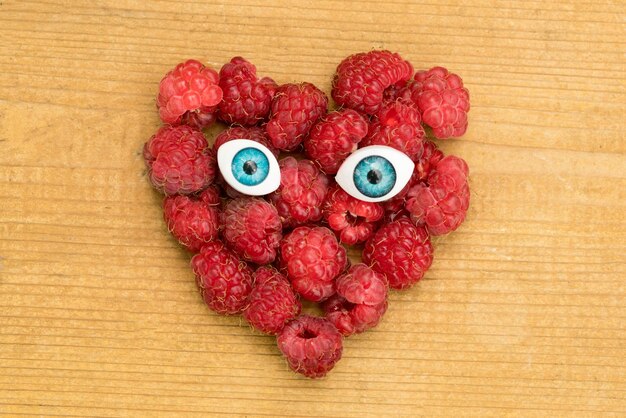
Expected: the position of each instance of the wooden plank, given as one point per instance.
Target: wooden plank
(522, 313)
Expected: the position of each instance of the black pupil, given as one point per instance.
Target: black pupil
(249, 167)
(374, 176)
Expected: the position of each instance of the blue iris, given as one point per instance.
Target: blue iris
(250, 166)
(374, 176)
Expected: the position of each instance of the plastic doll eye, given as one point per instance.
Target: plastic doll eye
(375, 173)
(248, 167)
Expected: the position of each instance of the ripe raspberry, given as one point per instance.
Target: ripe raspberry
(311, 345)
(179, 160)
(361, 79)
(441, 201)
(295, 108)
(442, 101)
(400, 251)
(312, 258)
(225, 281)
(360, 302)
(427, 162)
(189, 94)
(193, 220)
(252, 228)
(352, 219)
(301, 193)
(239, 132)
(397, 125)
(334, 137)
(246, 98)
(272, 302)
(431, 155)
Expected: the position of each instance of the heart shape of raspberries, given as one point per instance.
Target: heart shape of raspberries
(258, 254)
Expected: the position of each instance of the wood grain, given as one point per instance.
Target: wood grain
(522, 314)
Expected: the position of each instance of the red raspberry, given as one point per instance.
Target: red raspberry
(311, 345)
(225, 281)
(295, 108)
(352, 219)
(312, 258)
(400, 251)
(441, 201)
(442, 101)
(189, 95)
(272, 302)
(193, 220)
(361, 79)
(301, 193)
(246, 98)
(431, 155)
(239, 132)
(334, 137)
(397, 125)
(360, 302)
(252, 228)
(179, 160)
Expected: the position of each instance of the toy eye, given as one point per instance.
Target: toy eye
(375, 173)
(248, 167)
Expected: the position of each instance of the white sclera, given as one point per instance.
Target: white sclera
(400, 161)
(227, 152)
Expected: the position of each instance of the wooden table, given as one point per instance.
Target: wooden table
(522, 313)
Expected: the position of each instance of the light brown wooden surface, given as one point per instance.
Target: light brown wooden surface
(522, 313)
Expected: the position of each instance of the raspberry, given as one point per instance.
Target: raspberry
(441, 201)
(225, 281)
(179, 160)
(312, 258)
(193, 220)
(252, 228)
(189, 94)
(311, 345)
(295, 108)
(301, 193)
(246, 98)
(427, 162)
(442, 101)
(400, 251)
(272, 302)
(360, 302)
(397, 125)
(352, 219)
(238, 132)
(334, 137)
(431, 155)
(361, 79)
